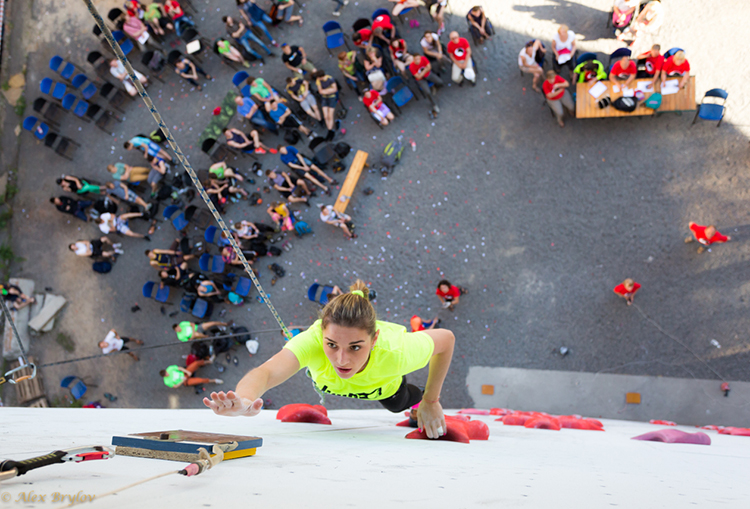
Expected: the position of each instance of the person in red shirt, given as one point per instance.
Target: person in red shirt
(627, 290)
(652, 62)
(418, 325)
(181, 21)
(374, 104)
(555, 89)
(400, 55)
(676, 65)
(706, 235)
(383, 29)
(449, 294)
(459, 52)
(624, 71)
(421, 69)
(362, 38)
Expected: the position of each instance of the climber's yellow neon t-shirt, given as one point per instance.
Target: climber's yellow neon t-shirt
(396, 353)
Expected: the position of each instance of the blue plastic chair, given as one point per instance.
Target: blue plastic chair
(30, 124)
(169, 212)
(126, 45)
(162, 294)
(245, 91)
(400, 93)
(211, 234)
(61, 67)
(68, 101)
(671, 52)
(148, 289)
(334, 35)
(77, 390)
(53, 88)
(243, 287)
(82, 82)
(200, 308)
(239, 78)
(712, 111)
(211, 263)
(180, 222)
(380, 12)
(322, 298)
(81, 108)
(585, 58)
(46, 85)
(618, 54)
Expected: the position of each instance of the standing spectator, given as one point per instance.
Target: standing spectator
(674, 66)
(226, 50)
(329, 94)
(117, 69)
(255, 16)
(706, 235)
(564, 48)
(295, 59)
(240, 33)
(303, 166)
(285, 12)
(330, 216)
(648, 21)
(175, 376)
(653, 61)
(112, 342)
(480, 27)
(13, 294)
(149, 147)
(121, 191)
(622, 14)
(111, 223)
(433, 50)
(624, 71)
(449, 294)
(122, 171)
(189, 71)
(531, 61)
(377, 108)
(421, 69)
(627, 290)
(71, 206)
(339, 5)
(95, 248)
(299, 90)
(187, 331)
(283, 117)
(459, 52)
(556, 92)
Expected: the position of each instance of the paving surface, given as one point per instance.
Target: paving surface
(538, 222)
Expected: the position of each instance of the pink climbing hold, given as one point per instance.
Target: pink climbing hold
(514, 419)
(543, 422)
(740, 432)
(474, 411)
(572, 422)
(662, 423)
(675, 436)
(477, 430)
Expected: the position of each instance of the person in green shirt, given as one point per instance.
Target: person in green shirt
(175, 376)
(349, 353)
(261, 90)
(591, 70)
(188, 330)
(353, 70)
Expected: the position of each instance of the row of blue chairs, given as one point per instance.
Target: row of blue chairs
(62, 145)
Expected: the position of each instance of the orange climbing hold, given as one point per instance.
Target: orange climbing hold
(573, 422)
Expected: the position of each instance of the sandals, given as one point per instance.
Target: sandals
(152, 228)
(278, 270)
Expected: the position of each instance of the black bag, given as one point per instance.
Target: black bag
(255, 199)
(274, 251)
(342, 149)
(102, 267)
(338, 167)
(626, 104)
(201, 350)
(221, 345)
(291, 136)
(245, 334)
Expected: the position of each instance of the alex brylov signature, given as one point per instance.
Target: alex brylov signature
(55, 497)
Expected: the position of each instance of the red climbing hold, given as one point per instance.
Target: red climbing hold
(500, 411)
(662, 423)
(321, 409)
(456, 433)
(290, 409)
(543, 422)
(572, 422)
(712, 427)
(307, 415)
(474, 411)
(740, 432)
(477, 430)
(405, 424)
(461, 418)
(514, 419)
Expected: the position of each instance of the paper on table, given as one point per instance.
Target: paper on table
(598, 89)
(645, 86)
(670, 87)
(616, 88)
(628, 92)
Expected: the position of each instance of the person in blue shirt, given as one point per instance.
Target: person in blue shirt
(283, 117)
(149, 147)
(304, 168)
(246, 108)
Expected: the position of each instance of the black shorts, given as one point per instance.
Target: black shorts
(96, 248)
(124, 342)
(291, 122)
(328, 102)
(406, 397)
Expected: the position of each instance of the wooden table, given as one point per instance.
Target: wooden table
(587, 107)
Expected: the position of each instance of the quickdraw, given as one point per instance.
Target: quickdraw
(7, 377)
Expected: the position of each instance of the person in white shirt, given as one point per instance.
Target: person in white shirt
(433, 50)
(95, 248)
(112, 342)
(564, 48)
(528, 62)
(118, 71)
(332, 217)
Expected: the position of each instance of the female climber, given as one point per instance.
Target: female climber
(349, 353)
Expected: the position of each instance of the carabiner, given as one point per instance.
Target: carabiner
(7, 377)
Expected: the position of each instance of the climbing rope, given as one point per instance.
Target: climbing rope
(183, 160)
(8, 376)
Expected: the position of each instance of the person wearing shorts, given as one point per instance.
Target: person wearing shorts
(377, 107)
(286, 12)
(110, 223)
(298, 89)
(121, 191)
(329, 94)
(283, 116)
(303, 167)
(95, 248)
(188, 330)
(112, 342)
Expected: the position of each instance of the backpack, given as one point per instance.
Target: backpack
(338, 167)
(221, 345)
(391, 156)
(654, 101)
(626, 104)
(274, 251)
(291, 136)
(157, 63)
(102, 267)
(200, 349)
(342, 149)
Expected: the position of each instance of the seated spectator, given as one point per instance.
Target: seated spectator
(591, 70)
(157, 172)
(175, 376)
(189, 71)
(706, 235)
(293, 159)
(329, 95)
(157, 18)
(374, 69)
(280, 215)
(247, 143)
(222, 171)
(112, 342)
(285, 12)
(230, 256)
(95, 248)
(399, 54)
(179, 19)
(650, 63)
(623, 71)
(433, 50)
(377, 108)
(299, 90)
(627, 290)
(75, 185)
(330, 216)
(246, 230)
(531, 61)
(283, 117)
(254, 16)
(480, 27)
(676, 66)
(648, 21)
(210, 291)
(121, 171)
(239, 32)
(250, 111)
(418, 324)
(421, 69)
(175, 276)
(295, 59)
(226, 50)
(172, 257)
(261, 90)
(118, 71)
(283, 183)
(136, 30)
(70, 206)
(121, 191)
(148, 147)
(111, 223)
(459, 52)
(187, 331)
(403, 4)
(622, 13)
(383, 30)
(556, 92)
(564, 48)
(221, 190)
(353, 70)
(13, 294)
(362, 38)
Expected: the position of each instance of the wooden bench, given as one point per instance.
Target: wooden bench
(586, 104)
(352, 176)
